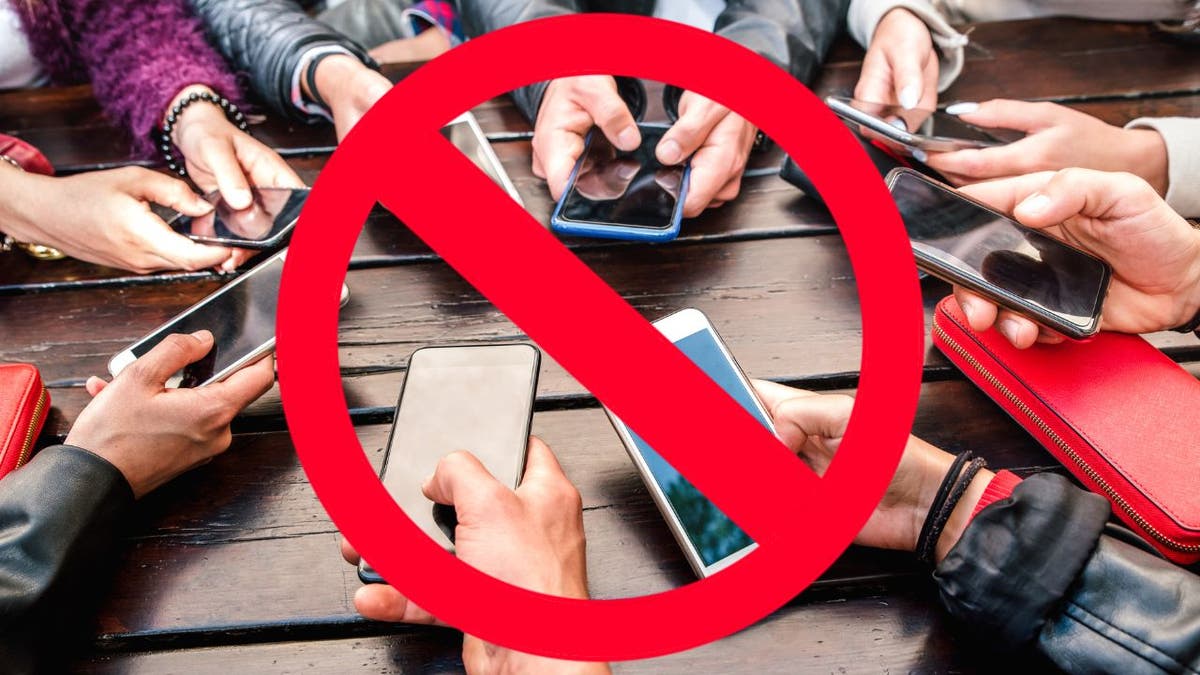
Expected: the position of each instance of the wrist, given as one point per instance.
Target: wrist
(960, 518)
(334, 72)
(1148, 157)
(20, 198)
(1188, 297)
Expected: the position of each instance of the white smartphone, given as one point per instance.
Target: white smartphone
(927, 130)
(241, 317)
(709, 539)
(465, 134)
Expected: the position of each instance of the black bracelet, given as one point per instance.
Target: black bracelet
(939, 498)
(167, 146)
(927, 549)
(310, 76)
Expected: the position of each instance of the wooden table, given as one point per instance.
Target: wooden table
(235, 567)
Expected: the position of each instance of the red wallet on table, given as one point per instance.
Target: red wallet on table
(24, 403)
(1121, 416)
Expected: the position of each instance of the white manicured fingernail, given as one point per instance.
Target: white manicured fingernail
(910, 96)
(1034, 205)
(898, 123)
(965, 108)
(919, 155)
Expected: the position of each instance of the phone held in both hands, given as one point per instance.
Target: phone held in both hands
(615, 194)
(241, 317)
(916, 129)
(709, 539)
(266, 224)
(474, 398)
(964, 242)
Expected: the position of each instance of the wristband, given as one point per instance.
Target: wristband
(931, 531)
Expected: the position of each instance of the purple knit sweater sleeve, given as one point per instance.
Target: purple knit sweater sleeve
(138, 55)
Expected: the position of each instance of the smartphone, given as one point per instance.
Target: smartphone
(465, 134)
(614, 194)
(241, 317)
(709, 539)
(964, 242)
(476, 398)
(265, 224)
(926, 130)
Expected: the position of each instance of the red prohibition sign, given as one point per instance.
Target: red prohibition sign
(397, 156)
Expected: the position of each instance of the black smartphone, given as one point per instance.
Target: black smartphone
(616, 194)
(241, 317)
(474, 398)
(964, 242)
(917, 129)
(265, 224)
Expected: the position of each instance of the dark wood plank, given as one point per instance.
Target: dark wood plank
(1055, 59)
(902, 631)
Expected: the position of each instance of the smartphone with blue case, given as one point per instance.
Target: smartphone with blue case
(614, 194)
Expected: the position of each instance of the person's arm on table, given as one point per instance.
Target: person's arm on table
(531, 537)
(1022, 563)
(60, 513)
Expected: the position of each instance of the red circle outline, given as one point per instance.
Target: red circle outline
(800, 522)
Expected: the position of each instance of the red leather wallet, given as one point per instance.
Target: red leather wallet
(24, 154)
(24, 403)
(1120, 416)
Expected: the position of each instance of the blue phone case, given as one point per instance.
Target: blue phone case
(612, 230)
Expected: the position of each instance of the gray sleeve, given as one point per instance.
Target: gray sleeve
(1182, 136)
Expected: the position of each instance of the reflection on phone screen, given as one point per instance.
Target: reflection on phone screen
(624, 188)
(995, 251)
(710, 531)
(272, 211)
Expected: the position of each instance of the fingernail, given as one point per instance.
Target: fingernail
(1034, 204)
(628, 139)
(910, 96)
(1009, 329)
(919, 155)
(898, 123)
(964, 108)
(243, 197)
(203, 336)
(670, 152)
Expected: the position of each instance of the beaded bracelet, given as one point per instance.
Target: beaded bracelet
(167, 146)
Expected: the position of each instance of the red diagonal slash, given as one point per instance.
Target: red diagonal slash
(396, 156)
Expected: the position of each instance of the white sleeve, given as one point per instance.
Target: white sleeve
(1182, 137)
(864, 17)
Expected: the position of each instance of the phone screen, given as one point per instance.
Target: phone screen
(241, 317)
(465, 139)
(714, 536)
(271, 214)
(973, 242)
(624, 188)
(478, 399)
(928, 123)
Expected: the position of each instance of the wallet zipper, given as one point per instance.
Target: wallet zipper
(35, 422)
(1074, 456)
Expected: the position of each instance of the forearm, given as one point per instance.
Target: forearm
(22, 196)
(57, 513)
(134, 77)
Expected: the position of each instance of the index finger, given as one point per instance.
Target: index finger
(1004, 194)
(247, 384)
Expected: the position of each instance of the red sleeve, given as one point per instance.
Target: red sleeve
(1000, 487)
(139, 54)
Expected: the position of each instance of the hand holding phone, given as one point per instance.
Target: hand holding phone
(265, 224)
(915, 130)
(619, 194)
(1029, 272)
(478, 399)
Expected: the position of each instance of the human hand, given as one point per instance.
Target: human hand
(531, 537)
(1154, 252)
(812, 425)
(1058, 138)
(104, 217)
(901, 65)
(219, 156)
(570, 107)
(719, 142)
(349, 88)
(152, 434)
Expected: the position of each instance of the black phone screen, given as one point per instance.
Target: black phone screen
(241, 318)
(478, 399)
(624, 188)
(968, 241)
(271, 214)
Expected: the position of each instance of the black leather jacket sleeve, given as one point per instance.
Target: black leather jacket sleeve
(265, 39)
(1043, 568)
(793, 34)
(58, 516)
